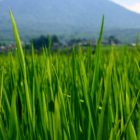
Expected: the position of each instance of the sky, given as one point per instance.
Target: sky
(133, 5)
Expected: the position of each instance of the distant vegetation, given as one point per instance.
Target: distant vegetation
(44, 41)
(56, 43)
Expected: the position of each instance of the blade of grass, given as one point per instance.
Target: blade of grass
(22, 63)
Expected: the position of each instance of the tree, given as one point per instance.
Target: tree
(113, 40)
(44, 41)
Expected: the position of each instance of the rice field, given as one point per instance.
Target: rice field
(80, 96)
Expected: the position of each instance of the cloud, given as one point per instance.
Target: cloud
(134, 7)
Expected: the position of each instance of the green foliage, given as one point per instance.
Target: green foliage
(69, 97)
(45, 41)
(137, 41)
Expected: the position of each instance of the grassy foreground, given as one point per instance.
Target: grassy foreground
(76, 97)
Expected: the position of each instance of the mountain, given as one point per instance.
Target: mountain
(35, 17)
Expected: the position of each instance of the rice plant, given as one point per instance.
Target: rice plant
(80, 96)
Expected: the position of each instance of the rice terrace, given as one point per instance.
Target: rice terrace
(81, 89)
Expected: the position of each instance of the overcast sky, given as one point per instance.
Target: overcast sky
(133, 5)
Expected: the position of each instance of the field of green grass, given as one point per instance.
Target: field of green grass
(80, 96)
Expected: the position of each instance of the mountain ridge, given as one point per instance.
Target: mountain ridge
(65, 17)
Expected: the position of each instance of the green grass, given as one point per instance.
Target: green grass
(70, 97)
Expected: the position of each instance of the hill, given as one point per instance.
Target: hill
(67, 17)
